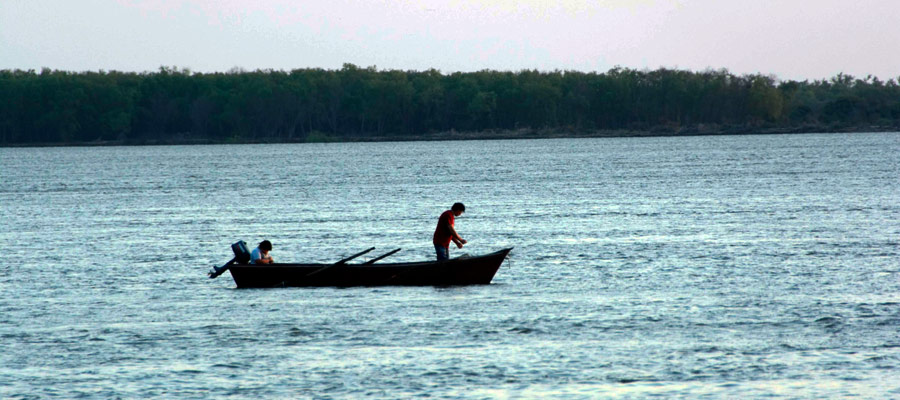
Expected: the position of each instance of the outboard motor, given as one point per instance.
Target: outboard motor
(241, 254)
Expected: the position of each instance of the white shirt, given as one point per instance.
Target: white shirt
(256, 255)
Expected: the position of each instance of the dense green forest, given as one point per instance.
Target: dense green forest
(353, 103)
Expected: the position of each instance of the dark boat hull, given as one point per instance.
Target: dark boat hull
(478, 270)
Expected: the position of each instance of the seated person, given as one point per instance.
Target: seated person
(260, 255)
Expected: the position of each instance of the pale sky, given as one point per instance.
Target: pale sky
(791, 39)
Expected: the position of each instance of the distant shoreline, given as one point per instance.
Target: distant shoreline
(492, 135)
(353, 104)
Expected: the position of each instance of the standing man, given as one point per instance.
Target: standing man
(260, 255)
(445, 232)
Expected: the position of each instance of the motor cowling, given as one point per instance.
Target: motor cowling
(241, 254)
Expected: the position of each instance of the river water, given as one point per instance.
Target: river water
(695, 267)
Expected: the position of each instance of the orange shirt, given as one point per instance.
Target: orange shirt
(442, 235)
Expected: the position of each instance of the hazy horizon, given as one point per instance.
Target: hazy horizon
(789, 40)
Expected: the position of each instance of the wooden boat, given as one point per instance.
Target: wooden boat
(465, 270)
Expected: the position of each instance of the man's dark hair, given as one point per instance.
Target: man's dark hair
(265, 245)
(458, 207)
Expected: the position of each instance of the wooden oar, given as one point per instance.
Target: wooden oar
(342, 262)
(354, 256)
(372, 261)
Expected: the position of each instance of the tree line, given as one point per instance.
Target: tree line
(353, 103)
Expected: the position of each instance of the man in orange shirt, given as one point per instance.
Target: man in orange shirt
(445, 232)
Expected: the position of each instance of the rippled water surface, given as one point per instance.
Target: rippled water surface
(721, 267)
